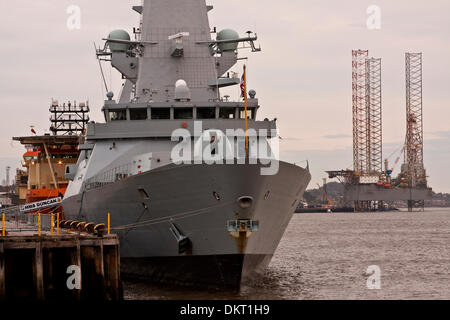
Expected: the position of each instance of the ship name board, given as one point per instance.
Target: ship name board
(41, 204)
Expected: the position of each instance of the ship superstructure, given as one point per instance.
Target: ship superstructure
(191, 222)
(48, 154)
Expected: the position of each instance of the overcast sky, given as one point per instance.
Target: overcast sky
(302, 76)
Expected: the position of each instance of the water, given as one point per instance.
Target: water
(326, 256)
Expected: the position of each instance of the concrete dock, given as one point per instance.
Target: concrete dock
(70, 266)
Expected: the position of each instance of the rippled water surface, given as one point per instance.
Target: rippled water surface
(325, 256)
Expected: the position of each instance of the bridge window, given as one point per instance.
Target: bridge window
(183, 113)
(227, 113)
(160, 113)
(138, 114)
(206, 113)
(250, 113)
(117, 115)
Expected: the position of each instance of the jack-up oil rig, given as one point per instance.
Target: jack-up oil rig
(368, 186)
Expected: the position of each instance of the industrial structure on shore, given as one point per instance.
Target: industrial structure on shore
(369, 186)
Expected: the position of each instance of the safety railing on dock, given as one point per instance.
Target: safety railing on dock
(11, 210)
(28, 222)
(51, 222)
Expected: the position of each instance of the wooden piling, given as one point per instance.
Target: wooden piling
(92, 272)
(77, 260)
(38, 272)
(111, 256)
(2, 273)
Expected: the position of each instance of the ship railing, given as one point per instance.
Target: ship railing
(110, 176)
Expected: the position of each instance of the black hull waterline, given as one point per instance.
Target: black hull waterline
(216, 271)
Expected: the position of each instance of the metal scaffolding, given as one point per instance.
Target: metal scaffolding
(375, 120)
(70, 119)
(367, 121)
(414, 126)
(360, 111)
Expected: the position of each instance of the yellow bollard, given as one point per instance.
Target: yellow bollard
(3, 225)
(39, 224)
(57, 224)
(51, 224)
(109, 223)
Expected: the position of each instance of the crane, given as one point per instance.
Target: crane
(330, 203)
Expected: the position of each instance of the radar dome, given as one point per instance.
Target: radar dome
(227, 34)
(180, 83)
(110, 95)
(119, 35)
(182, 91)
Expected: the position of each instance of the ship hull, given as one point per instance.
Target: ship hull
(199, 201)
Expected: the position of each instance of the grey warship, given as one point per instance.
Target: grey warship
(206, 224)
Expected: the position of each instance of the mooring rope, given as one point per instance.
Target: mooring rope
(178, 216)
